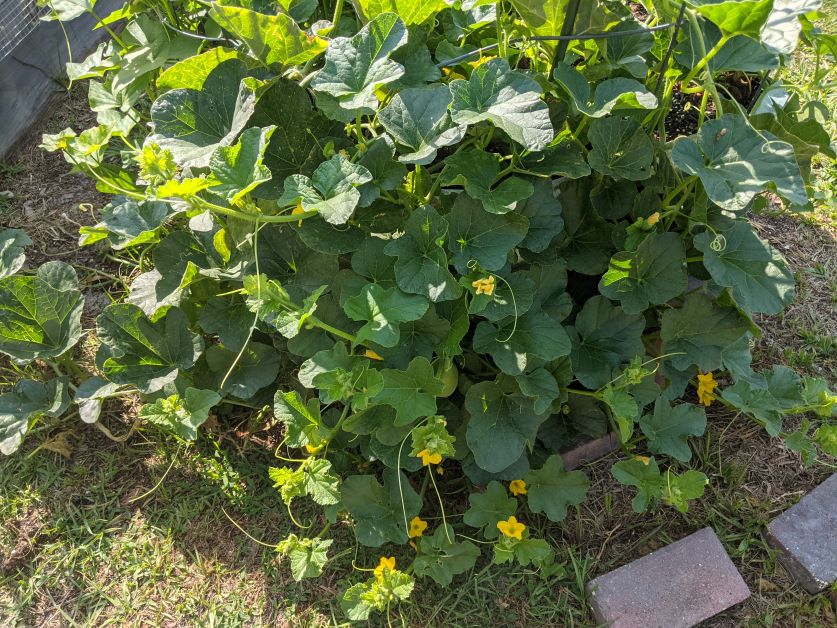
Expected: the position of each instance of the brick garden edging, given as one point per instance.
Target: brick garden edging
(674, 587)
(806, 537)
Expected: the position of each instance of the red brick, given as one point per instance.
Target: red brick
(590, 451)
(806, 537)
(677, 586)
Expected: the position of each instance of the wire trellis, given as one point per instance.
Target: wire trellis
(18, 18)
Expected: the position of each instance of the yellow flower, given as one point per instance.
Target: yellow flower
(297, 211)
(484, 286)
(312, 449)
(511, 528)
(451, 73)
(653, 219)
(706, 386)
(386, 563)
(480, 61)
(428, 458)
(372, 355)
(417, 527)
(643, 459)
(440, 470)
(517, 487)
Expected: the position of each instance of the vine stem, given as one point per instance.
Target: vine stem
(332, 330)
(119, 439)
(706, 59)
(584, 393)
(338, 12)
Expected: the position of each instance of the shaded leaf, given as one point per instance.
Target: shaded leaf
(508, 99)
(40, 315)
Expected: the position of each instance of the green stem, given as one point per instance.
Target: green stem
(680, 187)
(584, 393)
(706, 58)
(359, 129)
(696, 258)
(316, 322)
(107, 28)
(325, 529)
(338, 12)
(436, 183)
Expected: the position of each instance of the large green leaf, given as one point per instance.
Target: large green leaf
(586, 242)
(782, 29)
(652, 275)
(799, 126)
(476, 235)
(12, 242)
(355, 67)
(501, 425)
(551, 490)
(755, 272)
(621, 149)
(736, 17)
(40, 315)
(675, 490)
(331, 191)
(736, 162)
(477, 172)
(739, 53)
(193, 71)
(296, 145)
(178, 260)
(152, 46)
(90, 395)
(604, 338)
(507, 98)
(615, 93)
(324, 362)
(411, 392)
(272, 39)
(24, 403)
(668, 428)
(626, 51)
(699, 331)
(380, 512)
(441, 559)
(301, 421)
(489, 507)
(146, 353)
(181, 415)
(564, 158)
(243, 373)
(767, 397)
(422, 264)
(543, 210)
(239, 169)
(411, 11)
(644, 474)
(192, 122)
(378, 157)
(68, 10)
(126, 222)
(418, 119)
(307, 557)
(383, 309)
(541, 386)
(512, 297)
(516, 342)
(546, 17)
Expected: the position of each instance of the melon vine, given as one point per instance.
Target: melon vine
(438, 245)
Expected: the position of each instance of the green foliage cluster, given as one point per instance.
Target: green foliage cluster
(439, 246)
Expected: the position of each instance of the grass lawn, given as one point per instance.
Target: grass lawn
(143, 532)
